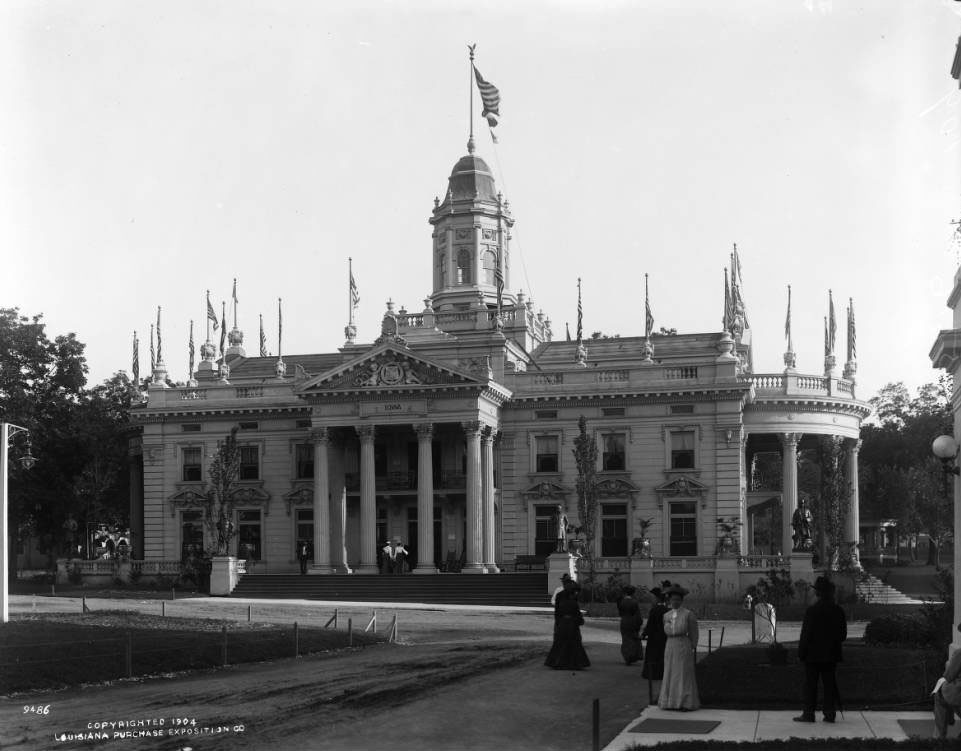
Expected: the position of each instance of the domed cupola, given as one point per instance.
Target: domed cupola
(471, 237)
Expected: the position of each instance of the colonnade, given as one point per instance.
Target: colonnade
(789, 448)
(479, 491)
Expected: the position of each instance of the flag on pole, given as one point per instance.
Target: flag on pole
(153, 356)
(832, 322)
(728, 319)
(648, 313)
(223, 326)
(354, 292)
(827, 344)
(852, 338)
(280, 328)
(787, 321)
(211, 314)
(190, 349)
(160, 350)
(263, 338)
(234, 294)
(490, 98)
(580, 314)
(136, 360)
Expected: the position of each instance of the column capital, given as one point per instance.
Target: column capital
(365, 433)
(853, 445)
(789, 440)
(472, 427)
(488, 433)
(424, 430)
(320, 435)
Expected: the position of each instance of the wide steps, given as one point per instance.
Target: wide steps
(507, 589)
(873, 590)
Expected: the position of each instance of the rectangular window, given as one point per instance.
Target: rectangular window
(193, 427)
(682, 409)
(545, 530)
(305, 531)
(612, 411)
(682, 449)
(683, 528)
(613, 529)
(249, 463)
(248, 535)
(192, 467)
(191, 534)
(546, 414)
(613, 459)
(305, 461)
(546, 453)
(249, 426)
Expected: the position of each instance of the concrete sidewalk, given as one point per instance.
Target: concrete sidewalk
(758, 725)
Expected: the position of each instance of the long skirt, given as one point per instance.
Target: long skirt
(567, 651)
(654, 658)
(631, 649)
(679, 688)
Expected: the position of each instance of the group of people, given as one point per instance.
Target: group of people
(671, 632)
(393, 558)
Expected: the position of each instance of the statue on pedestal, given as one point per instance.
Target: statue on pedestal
(802, 523)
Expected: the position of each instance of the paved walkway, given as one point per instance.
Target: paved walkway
(758, 725)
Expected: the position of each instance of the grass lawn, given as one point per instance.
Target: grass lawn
(56, 650)
(807, 744)
(869, 678)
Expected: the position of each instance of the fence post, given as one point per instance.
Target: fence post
(296, 641)
(596, 734)
(721, 642)
(173, 593)
(225, 645)
(710, 633)
(250, 610)
(350, 632)
(83, 604)
(163, 608)
(129, 656)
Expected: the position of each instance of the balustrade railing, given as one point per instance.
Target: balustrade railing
(694, 562)
(612, 376)
(548, 379)
(680, 373)
(763, 561)
(812, 383)
(249, 392)
(773, 382)
(186, 394)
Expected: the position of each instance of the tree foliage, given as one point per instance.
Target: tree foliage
(219, 505)
(899, 478)
(585, 458)
(76, 435)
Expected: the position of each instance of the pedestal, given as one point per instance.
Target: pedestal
(223, 575)
(802, 568)
(726, 581)
(559, 564)
(642, 573)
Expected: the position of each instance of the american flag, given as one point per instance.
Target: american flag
(832, 323)
(153, 356)
(211, 315)
(648, 313)
(190, 348)
(787, 321)
(580, 314)
(136, 359)
(490, 97)
(263, 338)
(223, 329)
(354, 293)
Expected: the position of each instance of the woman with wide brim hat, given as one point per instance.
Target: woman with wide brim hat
(654, 634)
(679, 687)
(567, 650)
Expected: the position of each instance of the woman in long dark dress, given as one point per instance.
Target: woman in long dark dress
(567, 651)
(656, 639)
(631, 619)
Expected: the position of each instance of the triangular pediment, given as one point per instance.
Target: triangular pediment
(388, 367)
(615, 487)
(547, 491)
(682, 486)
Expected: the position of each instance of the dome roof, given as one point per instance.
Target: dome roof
(470, 178)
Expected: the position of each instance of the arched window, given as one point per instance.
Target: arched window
(490, 266)
(463, 266)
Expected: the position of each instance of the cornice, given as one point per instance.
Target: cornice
(301, 410)
(736, 392)
(820, 405)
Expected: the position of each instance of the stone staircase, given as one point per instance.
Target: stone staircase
(506, 589)
(876, 592)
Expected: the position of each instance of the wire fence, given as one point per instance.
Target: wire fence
(126, 651)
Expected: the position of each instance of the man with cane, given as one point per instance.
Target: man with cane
(824, 628)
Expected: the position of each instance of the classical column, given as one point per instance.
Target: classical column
(321, 440)
(852, 526)
(487, 459)
(474, 510)
(368, 506)
(338, 506)
(789, 442)
(425, 500)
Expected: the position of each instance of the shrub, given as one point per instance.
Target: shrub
(901, 630)
(608, 590)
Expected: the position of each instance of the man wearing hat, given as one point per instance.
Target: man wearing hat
(825, 627)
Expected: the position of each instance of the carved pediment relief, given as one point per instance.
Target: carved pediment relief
(251, 495)
(615, 488)
(387, 367)
(544, 491)
(682, 487)
(301, 495)
(188, 496)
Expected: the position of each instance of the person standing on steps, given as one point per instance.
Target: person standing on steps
(303, 555)
(825, 626)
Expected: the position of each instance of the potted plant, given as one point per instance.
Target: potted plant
(642, 545)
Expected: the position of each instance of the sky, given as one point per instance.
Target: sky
(151, 151)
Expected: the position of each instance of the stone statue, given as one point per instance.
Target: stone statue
(562, 525)
(803, 523)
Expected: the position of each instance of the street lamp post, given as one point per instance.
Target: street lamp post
(946, 449)
(7, 432)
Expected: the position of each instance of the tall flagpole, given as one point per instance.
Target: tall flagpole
(350, 291)
(235, 302)
(207, 315)
(470, 89)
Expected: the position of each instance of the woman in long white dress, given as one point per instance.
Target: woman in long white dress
(679, 688)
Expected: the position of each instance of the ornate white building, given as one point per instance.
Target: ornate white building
(453, 432)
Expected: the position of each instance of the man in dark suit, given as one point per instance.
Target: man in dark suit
(825, 627)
